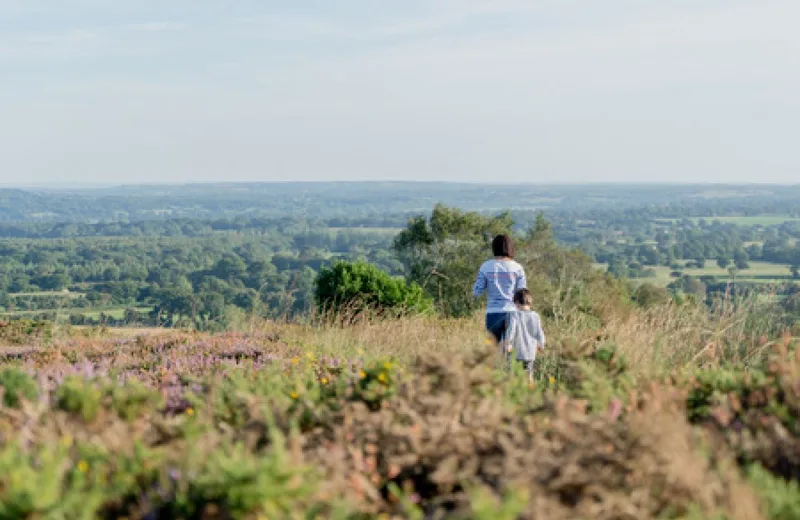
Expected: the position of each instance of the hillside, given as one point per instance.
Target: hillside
(671, 412)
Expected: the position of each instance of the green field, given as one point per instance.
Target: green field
(54, 294)
(116, 312)
(390, 231)
(759, 272)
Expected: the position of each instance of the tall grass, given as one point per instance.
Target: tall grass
(663, 338)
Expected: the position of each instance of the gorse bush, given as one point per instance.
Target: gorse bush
(348, 287)
(80, 397)
(782, 497)
(16, 386)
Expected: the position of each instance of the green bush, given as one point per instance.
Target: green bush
(133, 399)
(80, 397)
(782, 498)
(354, 287)
(240, 482)
(37, 485)
(17, 386)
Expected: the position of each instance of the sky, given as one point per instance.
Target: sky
(497, 91)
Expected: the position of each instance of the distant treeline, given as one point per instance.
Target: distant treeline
(358, 199)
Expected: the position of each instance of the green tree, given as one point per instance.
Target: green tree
(356, 286)
(723, 262)
(442, 254)
(542, 230)
(649, 295)
(618, 268)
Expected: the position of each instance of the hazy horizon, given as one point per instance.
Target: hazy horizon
(479, 91)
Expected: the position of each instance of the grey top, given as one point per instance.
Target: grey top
(524, 333)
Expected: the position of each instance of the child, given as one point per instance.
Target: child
(524, 332)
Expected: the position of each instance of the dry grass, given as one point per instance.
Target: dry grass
(654, 340)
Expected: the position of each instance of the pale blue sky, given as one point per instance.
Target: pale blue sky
(118, 91)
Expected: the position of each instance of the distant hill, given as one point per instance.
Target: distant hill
(334, 199)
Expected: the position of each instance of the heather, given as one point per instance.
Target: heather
(407, 417)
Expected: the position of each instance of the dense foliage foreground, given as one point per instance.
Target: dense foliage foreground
(668, 413)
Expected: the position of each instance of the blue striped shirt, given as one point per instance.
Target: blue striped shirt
(499, 279)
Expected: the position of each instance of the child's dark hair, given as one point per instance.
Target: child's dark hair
(503, 246)
(523, 297)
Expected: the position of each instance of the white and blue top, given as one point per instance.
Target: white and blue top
(500, 279)
(524, 333)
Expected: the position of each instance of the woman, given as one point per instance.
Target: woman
(500, 278)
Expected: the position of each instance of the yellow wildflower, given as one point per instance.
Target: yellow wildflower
(293, 395)
(190, 411)
(362, 374)
(387, 366)
(382, 377)
(83, 466)
(295, 361)
(324, 380)
(552, 380)
(310, 356)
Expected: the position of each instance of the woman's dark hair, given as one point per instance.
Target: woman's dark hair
(503, 246)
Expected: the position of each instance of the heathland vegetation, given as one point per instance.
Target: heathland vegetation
(287, 368)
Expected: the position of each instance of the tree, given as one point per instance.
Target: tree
(356, 286)
(231, 267)
(542, 230)
(649, 295)
(740, 259)
(690, 286)
(795, 270)
(649, 255)
(723, 262)
(247, 300)
(52, 282)
(442, 254)
(618, 268)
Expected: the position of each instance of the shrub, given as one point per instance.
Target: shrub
(649, 295)
(782, 498)
(354, 287)
(25, 332)
(17, 386)
(79, 397)
(133, 399)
